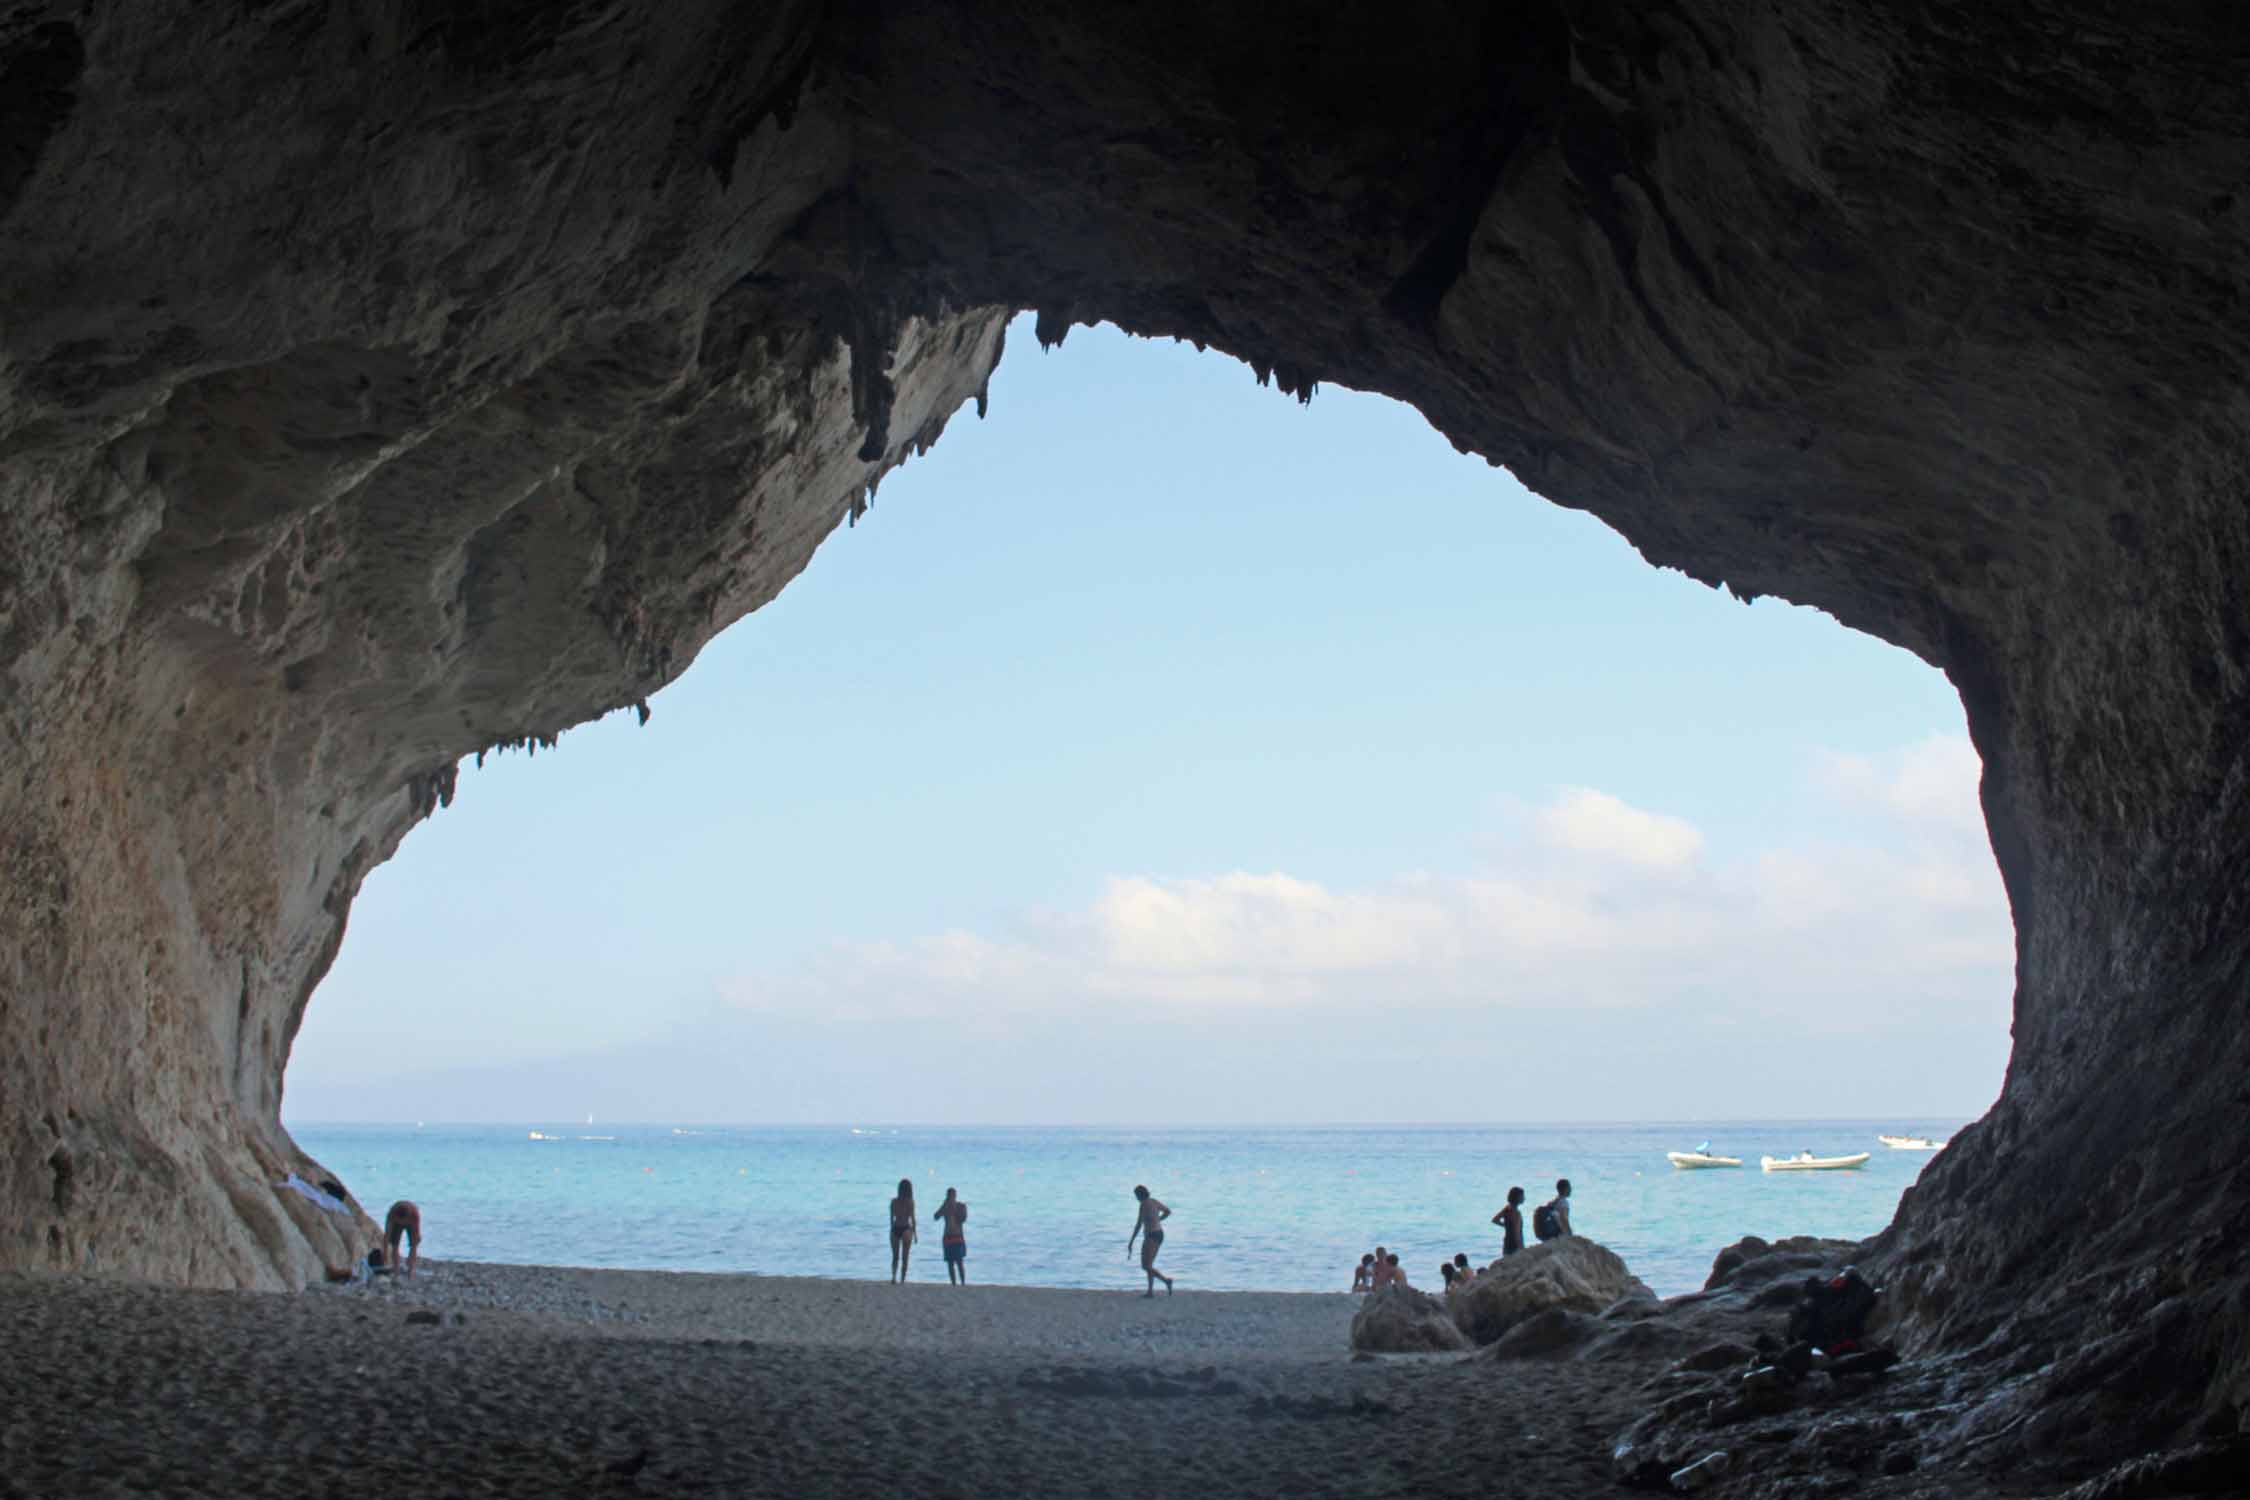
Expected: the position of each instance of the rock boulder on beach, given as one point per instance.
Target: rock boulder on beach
(1400, 1320)
(1573, 1273)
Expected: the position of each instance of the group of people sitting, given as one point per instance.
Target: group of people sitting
(1381, 1269)
(1551, 1220)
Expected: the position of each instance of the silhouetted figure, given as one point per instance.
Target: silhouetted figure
(1510, 1220)
(1148, 1227)
(404, 1221)
(1551, 1221)
(953, 1213)
(902, 1229)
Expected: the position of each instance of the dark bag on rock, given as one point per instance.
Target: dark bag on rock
(1832, 1314)
(1546, 1224)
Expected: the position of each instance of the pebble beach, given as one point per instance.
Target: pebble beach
(484, 1380)
(494, 1380)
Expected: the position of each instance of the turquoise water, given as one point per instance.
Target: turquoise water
(1254, 1208)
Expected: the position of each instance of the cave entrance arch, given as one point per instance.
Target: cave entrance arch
(1029, 728)
(1924, 317)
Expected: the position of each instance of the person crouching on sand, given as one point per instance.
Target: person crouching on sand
(953, 1213)
(1363, 1274)
(1148, 1227)
(404, 1221)
(902, 1229)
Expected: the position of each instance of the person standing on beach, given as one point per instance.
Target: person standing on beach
(953, 1213)
(1148, 1228)
(1510, 1220)
(902, 1229)
(404, 1221)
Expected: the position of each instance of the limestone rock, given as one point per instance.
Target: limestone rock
(1543, 1335)
(1752, 1262)
(1400, 1320)
(388, 383)
(1572, 1273)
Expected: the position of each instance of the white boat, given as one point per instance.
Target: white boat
(1911, 1143)
(1805, 1161)
(1702, 1159)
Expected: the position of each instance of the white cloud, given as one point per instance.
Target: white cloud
(1603, 905)
(1932, 782)
(1585, 821)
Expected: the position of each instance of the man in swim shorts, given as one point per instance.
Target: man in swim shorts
(953, 1213)
(1148, 1227)
(404, 1221)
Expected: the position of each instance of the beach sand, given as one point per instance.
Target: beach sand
(485, 1380)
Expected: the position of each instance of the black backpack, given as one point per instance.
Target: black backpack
(1546, 1224)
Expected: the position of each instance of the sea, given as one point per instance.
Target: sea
(1287, 1209)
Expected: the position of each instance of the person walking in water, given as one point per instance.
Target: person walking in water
(902, 1229)
(1148, 1228)
(953, 1213)
(1510, 1220)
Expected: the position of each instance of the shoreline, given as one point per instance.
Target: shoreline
(829, 1312)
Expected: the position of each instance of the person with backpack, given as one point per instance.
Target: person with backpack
(1510, 1220)
(1551, 1221)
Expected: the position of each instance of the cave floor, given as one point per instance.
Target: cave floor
(539, 1381)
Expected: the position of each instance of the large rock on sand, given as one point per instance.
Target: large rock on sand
(1573, 1273)
(1751, 1261)
(1400, 1320)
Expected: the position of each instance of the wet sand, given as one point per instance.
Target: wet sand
(482, 1380)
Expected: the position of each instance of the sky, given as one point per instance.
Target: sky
(1159, 749)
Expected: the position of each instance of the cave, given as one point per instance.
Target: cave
(384, 382)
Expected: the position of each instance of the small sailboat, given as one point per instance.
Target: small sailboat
(1805, 1161)
(1911, 1143)
(1701, 1157)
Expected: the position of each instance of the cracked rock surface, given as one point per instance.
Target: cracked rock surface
(383, 382)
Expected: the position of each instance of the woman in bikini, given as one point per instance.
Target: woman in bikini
(1510, 1220)
(902, 1228)
(1148, 1228)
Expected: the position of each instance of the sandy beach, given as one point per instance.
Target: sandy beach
(486, 1380)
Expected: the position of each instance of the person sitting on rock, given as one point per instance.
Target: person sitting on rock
(1398, 1272)
(404, 1221)
(1463, 1272)
(1363, 1274)
(1452, 1281)
(1379, 1276)
(1510, 1220)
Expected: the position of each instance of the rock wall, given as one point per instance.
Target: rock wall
(382, 381)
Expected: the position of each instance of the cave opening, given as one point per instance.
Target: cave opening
(1240, 739)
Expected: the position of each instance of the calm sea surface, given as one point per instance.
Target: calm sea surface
(1276, 1209)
